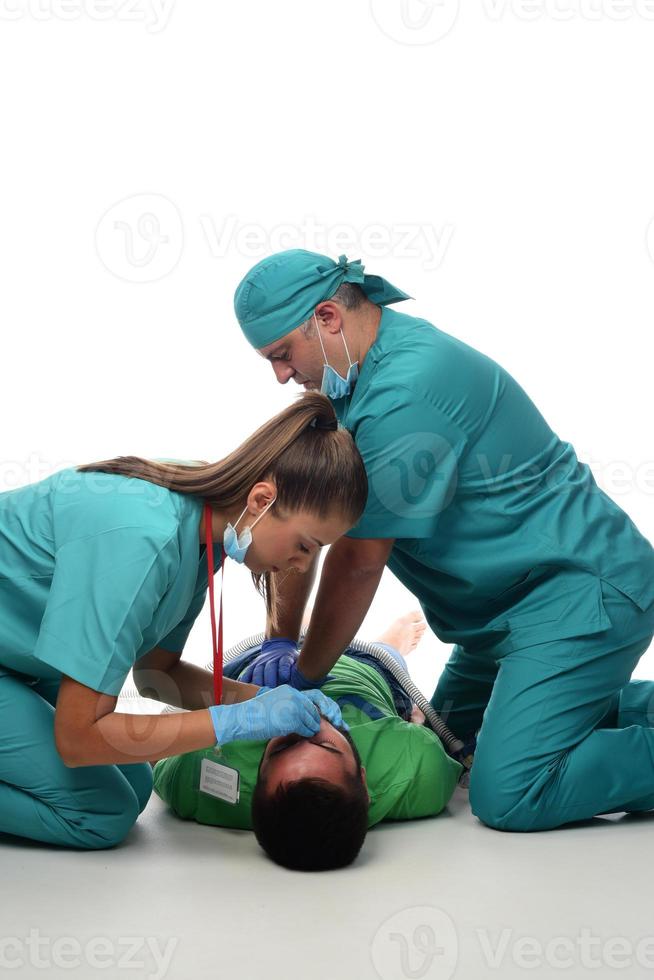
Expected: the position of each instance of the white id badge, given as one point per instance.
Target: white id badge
(220, 781)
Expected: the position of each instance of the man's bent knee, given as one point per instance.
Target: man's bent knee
(497, 808)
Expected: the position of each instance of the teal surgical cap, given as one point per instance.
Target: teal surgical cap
(282, 291)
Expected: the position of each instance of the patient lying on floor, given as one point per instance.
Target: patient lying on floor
(310, 801)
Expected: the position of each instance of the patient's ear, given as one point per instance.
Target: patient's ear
(365, 783)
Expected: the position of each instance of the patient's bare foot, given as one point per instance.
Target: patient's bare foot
(406, 632)
(417, 716)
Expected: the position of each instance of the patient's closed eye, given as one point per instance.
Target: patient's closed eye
(327, 741)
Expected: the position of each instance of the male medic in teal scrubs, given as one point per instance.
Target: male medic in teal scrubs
(543, 585)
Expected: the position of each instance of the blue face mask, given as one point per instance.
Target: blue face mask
(236, 545)
(333, 384)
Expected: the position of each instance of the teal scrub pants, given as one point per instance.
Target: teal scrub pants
(563, 733)
(40, 798)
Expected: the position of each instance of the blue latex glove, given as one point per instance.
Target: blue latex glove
(277, 664)
(279, 712)
(272, 666)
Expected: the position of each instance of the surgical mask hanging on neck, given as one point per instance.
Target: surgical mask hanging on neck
(236, 545)
(333, 384)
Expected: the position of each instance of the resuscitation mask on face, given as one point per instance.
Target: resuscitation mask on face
(333, 384)
(236, 545)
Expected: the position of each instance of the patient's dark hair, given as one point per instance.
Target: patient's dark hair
(312, 824)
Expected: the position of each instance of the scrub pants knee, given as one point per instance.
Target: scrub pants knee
(464, 690)
(566, 735)
(40, 798)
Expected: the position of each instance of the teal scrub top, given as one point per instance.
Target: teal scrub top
(501, 532)
(96, 569)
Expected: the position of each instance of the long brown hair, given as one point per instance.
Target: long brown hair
(313, 462)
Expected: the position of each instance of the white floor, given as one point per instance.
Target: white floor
(438, 898)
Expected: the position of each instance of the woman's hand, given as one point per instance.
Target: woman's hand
(281, 711)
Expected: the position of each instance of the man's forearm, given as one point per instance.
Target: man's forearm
(293, 590)
(343, 599)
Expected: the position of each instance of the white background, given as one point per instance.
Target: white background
(494, 161)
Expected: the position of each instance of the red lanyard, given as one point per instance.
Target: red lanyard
(217, 647)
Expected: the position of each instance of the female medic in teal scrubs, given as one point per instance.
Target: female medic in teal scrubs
(543, 585)
(103, 568)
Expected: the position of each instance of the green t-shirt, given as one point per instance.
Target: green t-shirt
(408, 771)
